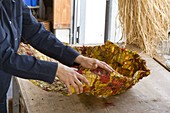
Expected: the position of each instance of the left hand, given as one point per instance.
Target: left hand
(92, 63)
(71, 77)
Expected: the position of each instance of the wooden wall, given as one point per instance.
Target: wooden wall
(61, 14)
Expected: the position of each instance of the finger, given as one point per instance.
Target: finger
(83, 78)
(95, 66)
(104, 66)
(69, 88)
(75, 69)
(80, 85)
(94, 63)
(108, 66)
(75, 87)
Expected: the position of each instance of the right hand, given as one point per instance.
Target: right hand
(71, 77)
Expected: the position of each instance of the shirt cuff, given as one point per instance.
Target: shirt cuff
(69, 56)
(48, 71)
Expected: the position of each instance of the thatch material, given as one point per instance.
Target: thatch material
(145, 22)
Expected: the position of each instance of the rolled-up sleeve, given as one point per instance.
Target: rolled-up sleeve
(44, 41)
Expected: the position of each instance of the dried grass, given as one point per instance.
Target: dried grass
(145, 22)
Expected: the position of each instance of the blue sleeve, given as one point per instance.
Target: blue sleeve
(21, 65)
(44, 41)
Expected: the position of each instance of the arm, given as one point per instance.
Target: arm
(44, 41)
(22, 65)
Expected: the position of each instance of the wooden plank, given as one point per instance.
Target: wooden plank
(61, 14)
(150, 95)
(15, 106)
(161, 60)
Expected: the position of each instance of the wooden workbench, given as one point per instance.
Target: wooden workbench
(150, 95)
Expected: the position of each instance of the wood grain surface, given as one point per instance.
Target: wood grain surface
(61, 14)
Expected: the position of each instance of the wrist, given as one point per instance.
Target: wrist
(60, 69)
(79, 59)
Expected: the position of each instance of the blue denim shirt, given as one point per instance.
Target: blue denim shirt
(16, 21)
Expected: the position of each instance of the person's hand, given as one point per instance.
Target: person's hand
(92, 63)
(71, 77)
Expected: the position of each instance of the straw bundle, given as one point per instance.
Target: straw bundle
(145, 22)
